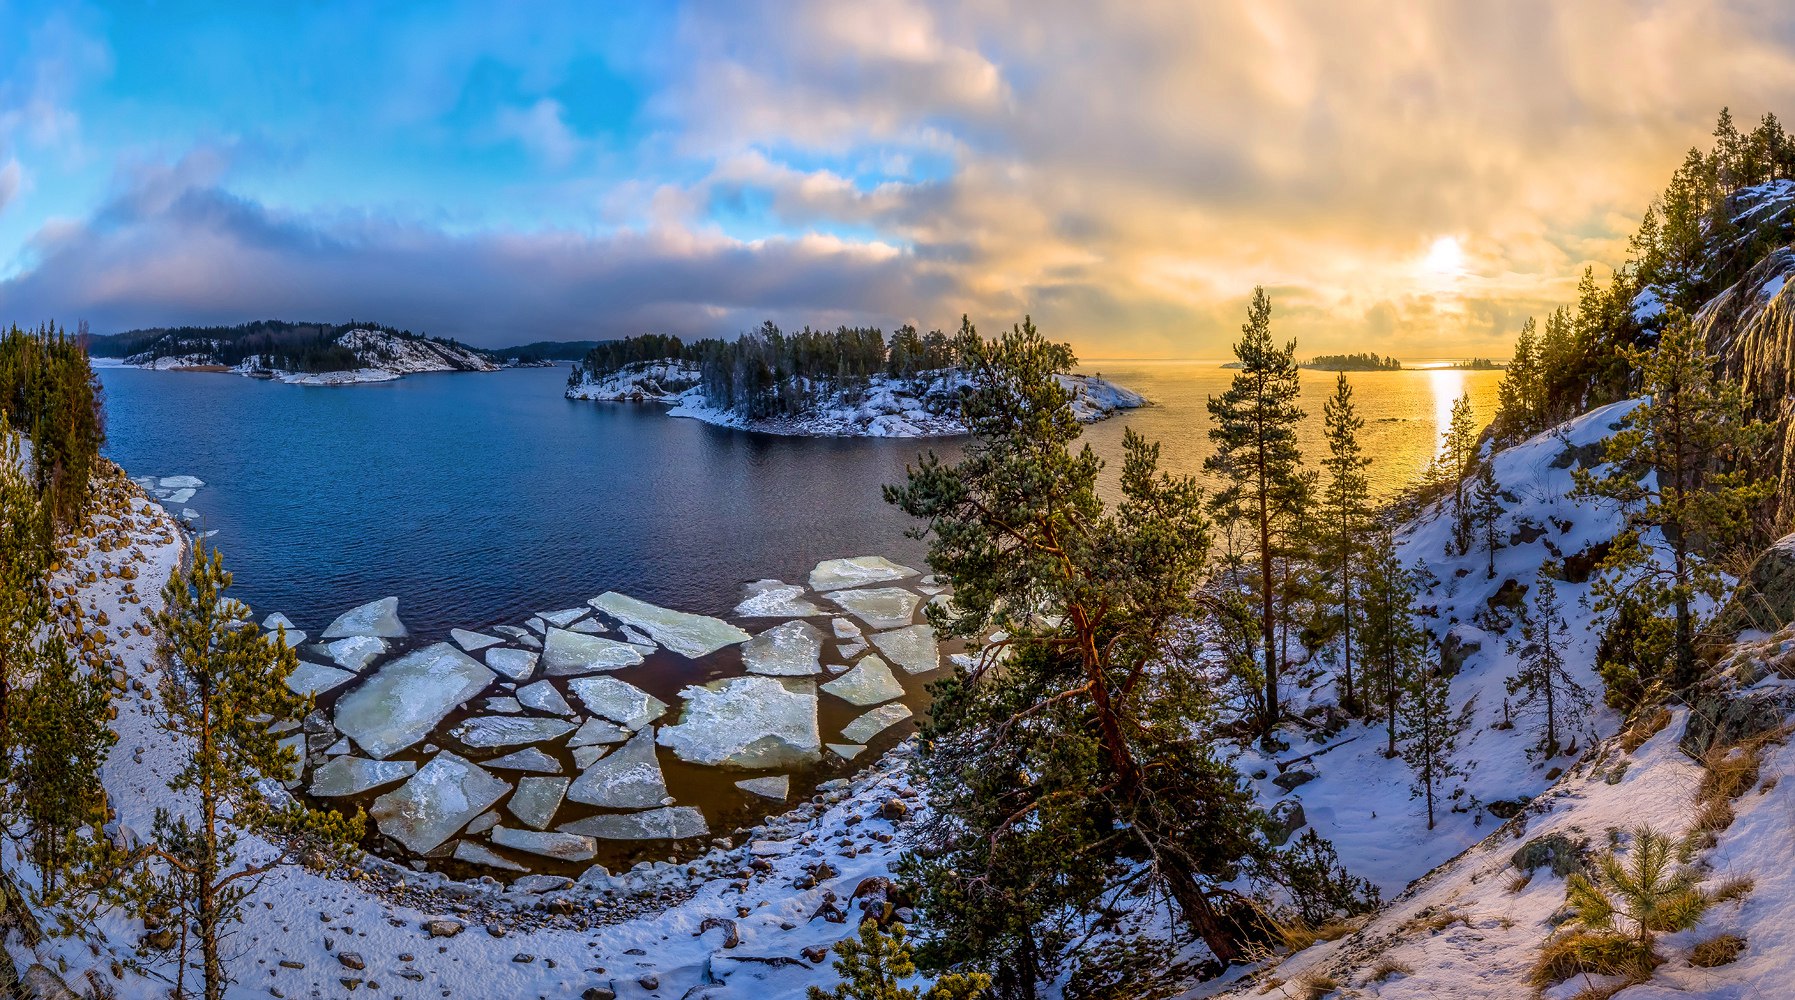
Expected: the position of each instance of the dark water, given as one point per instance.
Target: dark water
(482, 498)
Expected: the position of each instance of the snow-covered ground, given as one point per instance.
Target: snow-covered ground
(383, 357)
(924, 406)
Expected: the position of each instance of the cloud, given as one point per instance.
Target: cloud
(11, 179)
(172, 247)
(542, 129)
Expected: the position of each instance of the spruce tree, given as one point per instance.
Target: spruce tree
(1068, 750)
(1430, 736)
(1486, 512)
(1257, 458)
(224, 685)
(1392, 643)
(1682, 463)
(1518, 395)
(1458, 449)
(1344, 519)
(1542, 681)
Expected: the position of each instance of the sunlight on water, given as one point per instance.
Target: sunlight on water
(1405, 413)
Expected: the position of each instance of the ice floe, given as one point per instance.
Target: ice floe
(689, 635)
(777, 788)
(750, 722)
(838, 574)
(789, 650)
(436, 802)
(622, 703)
(517, 664)
(537, 800)
(376, 618)
(543, 697)
(406, 698)
(560, 846)
(628, 778)
(475, 853)
(508, 730)
(355, 652)
(314, 678)
(880, 607)
(670, 823)
(527, 759)
(869, 683)
(873, 723)
(473, 641)
(913, 648)
(597, 731)
(565, 617)
(775, 599)
(568, 653)
(353, 775)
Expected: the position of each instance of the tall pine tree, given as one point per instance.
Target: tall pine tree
(1430, 734)
(1345, 516)
(1257, 458)
(1392, 643)
(1542, 681)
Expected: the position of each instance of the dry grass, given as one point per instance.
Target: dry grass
(1722, 949)
(1386, 968)
(1295, 935)
(1312, 985)
(1734, 889)
(1433, 921)
(1519, 882)
(1644, 728)
(1591, 952)
(1731, 770)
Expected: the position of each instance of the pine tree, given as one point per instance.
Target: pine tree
(1542, 680)
(872, 966)
(1458, 448)
(1430, 736)
(224, 685)
(1391, 641)
(1067, 747)
(1345, 518)
(1655, 890)
(1692, 426)
(1256, 456)
(1486, 511)
(1518, 404)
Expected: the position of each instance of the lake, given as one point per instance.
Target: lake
(483, 498)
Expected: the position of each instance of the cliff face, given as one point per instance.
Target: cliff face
(1750, 330)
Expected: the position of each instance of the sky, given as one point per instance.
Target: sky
(1413, 179)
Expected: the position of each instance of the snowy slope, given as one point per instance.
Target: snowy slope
(925, 406)
(381, 357)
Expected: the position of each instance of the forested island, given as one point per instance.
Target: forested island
(1361, 362)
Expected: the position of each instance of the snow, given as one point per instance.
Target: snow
(749, 722)
(869, 683)
(880, 607)
(376, 618)
(789, 650)
(353, 775)
(436, 802)
(912, 647)
(619, 701)
(839, 574)
(537, 800)
(566, 652)
(687, 634)
(775, 599)
(628, 778)
(508, 730)
(669, 823)
(407, 697)
(863, 729)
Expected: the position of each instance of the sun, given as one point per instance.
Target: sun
(1444, 258)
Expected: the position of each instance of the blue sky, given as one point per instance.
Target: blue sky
(506, 172)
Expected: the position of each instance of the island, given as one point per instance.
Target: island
(846, 383)
(1363, 362)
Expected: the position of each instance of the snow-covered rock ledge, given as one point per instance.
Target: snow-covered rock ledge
(381, 357)
(886, 407)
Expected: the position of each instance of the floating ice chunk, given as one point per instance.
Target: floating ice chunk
(352, 775)
(869, 683)
(537, 800)
(295, 743)
(527, 759)
(377, 618)
(560, 846)
(598, 731)
(881, 607)
(293, 636)
(637, 638)
(508, 730)
(356, 652)
(520, 635)
(846, 751)
(577, 653)
(789, 650)
(625, 704)
(277, 621)
(407, 697)
(179, 496)
(849, 650)
(630, 778)
(479, 854)
(775, 599)
(588, 626)
(436, 802)
(314, 678)
(584, 757)
(875, 722)
(339, 748)
(536, 625)
(507, 705)
(837, 574)
(481, 823)
(669, 823)
(912, 648)
(777, 788)
(473, 641)
(517, 664)
(747, 722)
(543, 697)
(689, 635)
(844, 628)
(564, 618)
(181, 482)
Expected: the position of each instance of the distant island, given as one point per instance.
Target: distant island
(1366, 362)
(1477, 365)
(318, 353)
(849, 382)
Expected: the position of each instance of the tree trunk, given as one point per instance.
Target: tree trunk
(1184, 886)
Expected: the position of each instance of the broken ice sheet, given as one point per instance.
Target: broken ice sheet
(405, 699)
(837, 574)
(622, 703)
(689, 635)
(508, 730)
(880, 607)
(748, 722)
(788, 650)
(775, 599)
(567, 652)
(537, 799)
(912, 648)
(351, 775)
(375, 618)
(669, 823)
(629, 778)
(869, 683)
(875, 722)
(438, 800)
